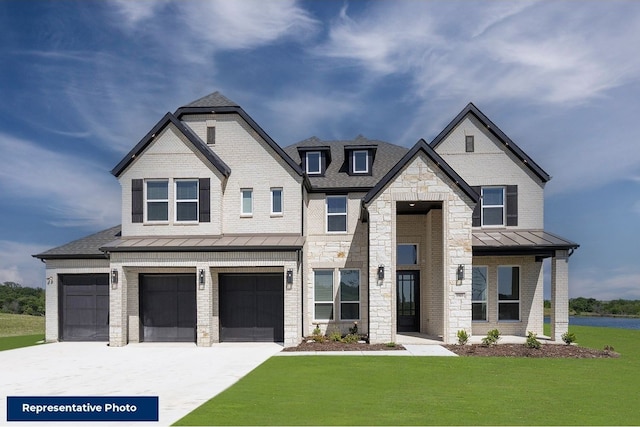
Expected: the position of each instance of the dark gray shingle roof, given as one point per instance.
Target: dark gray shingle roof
(215, 99)
(86, 247)
(336, 176)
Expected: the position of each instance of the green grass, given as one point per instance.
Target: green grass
(328, 390)
(12, 325)
(9, 343)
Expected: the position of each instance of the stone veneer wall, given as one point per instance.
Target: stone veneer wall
(124, 302)
(531, 296)
(334, 251)
(420, 181)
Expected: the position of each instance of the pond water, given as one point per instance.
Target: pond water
(605, 322)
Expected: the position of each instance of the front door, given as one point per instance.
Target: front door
(408, 301)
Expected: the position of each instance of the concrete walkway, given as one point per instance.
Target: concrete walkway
(183, 376)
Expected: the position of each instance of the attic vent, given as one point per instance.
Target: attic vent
(211, 135)
(469, 145)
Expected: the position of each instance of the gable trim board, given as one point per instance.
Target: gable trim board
(200, 145)
(422, 146)
(495, 130)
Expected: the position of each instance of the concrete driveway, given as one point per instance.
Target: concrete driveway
(183, 376)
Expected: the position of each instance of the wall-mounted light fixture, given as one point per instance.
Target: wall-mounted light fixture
(201, 280)
(49, 280)
(114, 279)
(460, 273)
(381, 272)
(289, 278)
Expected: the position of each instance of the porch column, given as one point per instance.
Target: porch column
(204, 302)
(559, 295)
(118, 319)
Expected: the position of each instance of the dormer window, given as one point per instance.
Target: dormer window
(360, 161)
(314, 162)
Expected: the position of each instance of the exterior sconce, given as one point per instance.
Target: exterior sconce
(49, 280)
(201, 280)
(460, 273)
(289, 278)
(114, 279)
(381, 272)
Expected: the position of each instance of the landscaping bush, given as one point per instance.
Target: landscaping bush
(532, 340)
(463, 337)
(492, 337)
(569, 337)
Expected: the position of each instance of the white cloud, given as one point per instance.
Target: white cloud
(17, 265)
(73, 190)
(135, 12)
(605, 285)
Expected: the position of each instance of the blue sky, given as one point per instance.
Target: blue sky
(81, 82)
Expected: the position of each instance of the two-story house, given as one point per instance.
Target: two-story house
(226, 236)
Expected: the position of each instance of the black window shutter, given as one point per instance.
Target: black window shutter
(204, 200)
(475, 216)
(137, 202)
(512, 205)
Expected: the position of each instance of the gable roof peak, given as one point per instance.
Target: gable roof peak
(497, 132)
(215, 99)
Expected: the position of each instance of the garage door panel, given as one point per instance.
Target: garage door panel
(84, 307)
(168, 307)
(252, 307)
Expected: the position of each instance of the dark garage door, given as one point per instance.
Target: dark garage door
(84, 307)
(168, 307)
(252, 307)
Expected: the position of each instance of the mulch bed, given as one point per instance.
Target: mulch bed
(521, 350)
(340, 346)
(500, 350)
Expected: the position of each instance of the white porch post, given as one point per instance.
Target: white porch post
(559, 295)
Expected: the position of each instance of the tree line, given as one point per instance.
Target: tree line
(18, 299)
(620, 307)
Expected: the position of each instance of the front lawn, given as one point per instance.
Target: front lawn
(9, 343)
(12, 325)
(392, 390)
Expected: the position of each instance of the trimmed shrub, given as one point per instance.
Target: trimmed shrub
(463, 337)
(532, 340)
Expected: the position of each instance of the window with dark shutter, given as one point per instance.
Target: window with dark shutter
(137, 201)
(512, 205)
(475, 216)
(204, 199)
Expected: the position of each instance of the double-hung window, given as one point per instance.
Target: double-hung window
(360, 161)
(349, 294)
(246, 202)
(186, 200)
(508, 293)
(323, 294)
(157, 200)
(314, 162)
(493, 207)
(479, 293)
(276, 201)
(336, 214)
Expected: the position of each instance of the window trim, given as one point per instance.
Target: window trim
(518, 301)
(176, 201)
(486, 294)
(353, 162)
(503, 206)
(307, 163)
(281, 211)
(325, 302)
(244, 214)
(146, 201)
(328, 214)
(338, 297)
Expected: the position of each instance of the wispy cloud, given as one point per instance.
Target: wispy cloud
(606, 285)
(74, 191)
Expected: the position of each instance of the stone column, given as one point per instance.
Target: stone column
(292, 305)
(559, 295)
(118, 324)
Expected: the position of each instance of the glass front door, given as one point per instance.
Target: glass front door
(408, 301)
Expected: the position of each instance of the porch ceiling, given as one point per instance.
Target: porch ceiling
(243, 242)
(519, 242)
